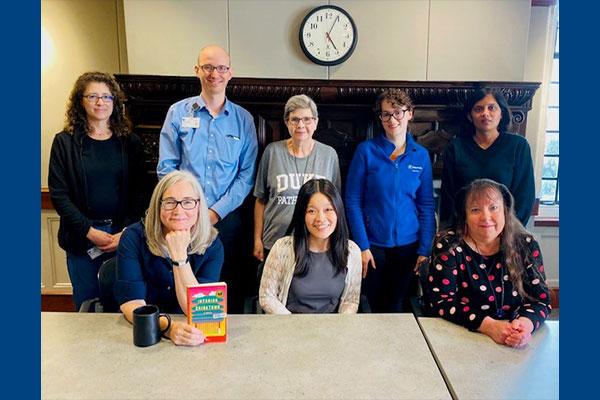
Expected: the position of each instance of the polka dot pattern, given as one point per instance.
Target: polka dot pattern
(464, 286)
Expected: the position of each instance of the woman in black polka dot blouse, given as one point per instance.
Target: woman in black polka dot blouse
(488, 273)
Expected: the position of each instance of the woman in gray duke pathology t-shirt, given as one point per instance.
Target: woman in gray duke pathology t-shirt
(285, 166)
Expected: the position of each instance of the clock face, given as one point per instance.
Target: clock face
(328, 35)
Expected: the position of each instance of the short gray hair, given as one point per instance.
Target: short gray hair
(297, 102)
(202, 233)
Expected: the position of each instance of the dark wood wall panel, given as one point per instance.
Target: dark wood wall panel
(346, 115)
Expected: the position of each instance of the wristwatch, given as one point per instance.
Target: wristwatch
(180, 263)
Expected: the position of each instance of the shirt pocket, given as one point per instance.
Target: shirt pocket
(230, 149)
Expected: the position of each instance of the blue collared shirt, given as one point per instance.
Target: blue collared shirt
(221, 152)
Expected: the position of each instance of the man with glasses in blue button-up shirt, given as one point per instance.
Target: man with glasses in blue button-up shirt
(215, 140)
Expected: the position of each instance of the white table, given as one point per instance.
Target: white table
(368, 356)
(475, 367)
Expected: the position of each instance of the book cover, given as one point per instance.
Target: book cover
(207, 310)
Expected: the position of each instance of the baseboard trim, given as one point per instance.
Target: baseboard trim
(58, 302)
(554, 297)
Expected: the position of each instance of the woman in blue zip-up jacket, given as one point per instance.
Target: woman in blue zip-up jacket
(390, 205)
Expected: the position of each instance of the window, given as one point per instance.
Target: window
(550, 168)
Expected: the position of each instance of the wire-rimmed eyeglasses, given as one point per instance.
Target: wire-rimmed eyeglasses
(169, 203)
(208, 69)
(305, 120)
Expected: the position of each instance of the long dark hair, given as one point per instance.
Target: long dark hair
(477, 95)
(76, 117)
(338, 241)
(512, 244)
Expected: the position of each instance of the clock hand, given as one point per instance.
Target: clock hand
(329, 37)
(336, 20)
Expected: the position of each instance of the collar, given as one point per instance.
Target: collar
(388, 147)
(198, 103)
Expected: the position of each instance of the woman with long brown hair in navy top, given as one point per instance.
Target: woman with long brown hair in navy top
(487, 272)
(390, 206)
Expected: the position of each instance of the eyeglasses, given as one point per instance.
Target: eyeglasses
(398, 114)
(169, 204)
(490, 107)
(208, 69)
(305, 120)
(92, 98)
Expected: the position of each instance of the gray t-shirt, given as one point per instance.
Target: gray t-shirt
(279, 178)
(319, 291)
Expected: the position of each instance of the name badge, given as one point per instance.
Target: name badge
(94, 252)
(190, 122)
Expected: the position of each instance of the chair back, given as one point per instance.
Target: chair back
(107, 275)
(417, 302)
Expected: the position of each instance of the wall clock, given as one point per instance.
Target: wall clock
(328, 35)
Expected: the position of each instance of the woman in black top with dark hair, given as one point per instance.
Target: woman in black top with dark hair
(94, 176)
(487, 150)
(316, 269)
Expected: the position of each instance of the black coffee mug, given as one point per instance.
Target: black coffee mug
(146, 327)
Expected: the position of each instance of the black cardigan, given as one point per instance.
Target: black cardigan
(67, 184)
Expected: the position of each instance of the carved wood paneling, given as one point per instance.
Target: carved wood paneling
(345, 107)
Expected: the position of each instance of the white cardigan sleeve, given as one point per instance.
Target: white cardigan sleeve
(274, 284)
(351, 294)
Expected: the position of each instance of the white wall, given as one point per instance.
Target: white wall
(164, 36)
(397, 39)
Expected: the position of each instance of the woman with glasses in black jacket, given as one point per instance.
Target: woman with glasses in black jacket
(94, 176)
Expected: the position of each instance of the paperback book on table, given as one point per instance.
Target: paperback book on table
(207, 310)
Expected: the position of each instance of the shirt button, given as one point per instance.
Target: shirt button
(168, 287)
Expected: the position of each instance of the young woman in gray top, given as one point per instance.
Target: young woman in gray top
(316, 269)
(285, 166)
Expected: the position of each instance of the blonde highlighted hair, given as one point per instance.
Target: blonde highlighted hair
(202, 233)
